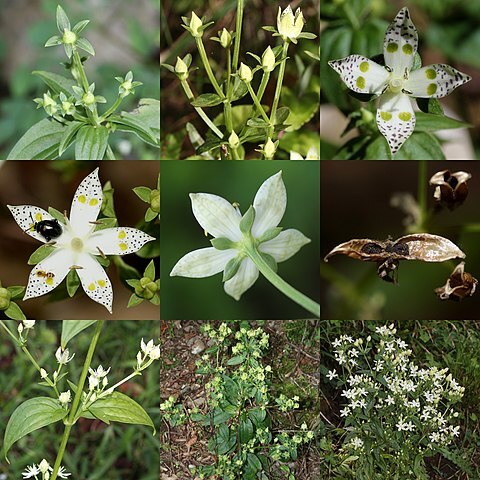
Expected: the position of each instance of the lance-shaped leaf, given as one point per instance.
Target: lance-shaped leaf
(71, 328)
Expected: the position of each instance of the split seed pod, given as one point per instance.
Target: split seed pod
(450, 188)
(388, 253)
(460, 284)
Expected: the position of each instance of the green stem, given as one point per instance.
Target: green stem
(118, 101)
(15, 339)
(278, 282)
(229, 71)
(76, 400)
(350, 14)
(208, 68)
(81, 71)
(422, 191)
(238, 33)
(203, 115)
(278, 88)
(258, 104)
(110, 154)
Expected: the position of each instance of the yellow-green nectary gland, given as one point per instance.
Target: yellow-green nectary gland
(69, 37)
(88, 98)
(405, 116)
(392, 47)
(430, 73)
(407, 49)
(360, 82)
(431, 89)
(364, 66)
(386, 116)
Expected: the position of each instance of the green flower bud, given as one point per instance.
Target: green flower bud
(225, 38)
(181, 69)
(5, 297)
(49, 104)
(88, 98)
(233, 140)
(155, 200)
(367, 115)
(268, 60)
(68, 108)
(269, 148)
(245, 73)
(69, 37)
(146, 289)
(195, 25)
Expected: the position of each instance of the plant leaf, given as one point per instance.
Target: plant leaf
(127, 122)
(68, 136)
(207, 100)
(91, 143)
(71, 328)
(30, 416)
(56, 83)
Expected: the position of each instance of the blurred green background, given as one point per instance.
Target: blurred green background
(187, 298)
(355, 203)
(95, 451)
(125, 36)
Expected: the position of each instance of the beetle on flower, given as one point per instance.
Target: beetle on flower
(396, 82)
(78, 245)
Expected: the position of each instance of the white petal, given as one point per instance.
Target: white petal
(401, 42)
(49, 273)
(117, 241)
(435, 81)
(201, 263)
(361, 74)
(285, 245)
(395, 119)
(216, 215)
(95, 281)
(86, 204)
(245, 277)
(270, 203)
(26, 216)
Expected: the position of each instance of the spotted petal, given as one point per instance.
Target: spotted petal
(95, 280)
(401, 42)
(245, 277)
(435, 81)
(26, 216)
(361, 74)
(48, 274)
(203, 262)
(395, 119)
(117, 241)
(86, 204)
(270, 203)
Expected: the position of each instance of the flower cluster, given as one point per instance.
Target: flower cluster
(148, 353)
(44, 469)
(393, 408)
(97, 379)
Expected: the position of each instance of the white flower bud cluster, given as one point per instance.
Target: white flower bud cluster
(148, 351)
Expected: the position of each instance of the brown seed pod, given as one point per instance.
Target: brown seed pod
(460, 284)
(451, 189)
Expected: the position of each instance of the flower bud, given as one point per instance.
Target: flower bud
(5, 297)
(49, 104)
(69, 37)
(269, 148)
(195, 25)
(44, 466)
(155, 353)
(268, 60)
(89, 98)
(65, 397)
(233, 140)
(43, 373)
(155, 200)
(181, 69)
(28, 323)
(289, 26)
(225, 38)
(245, 73)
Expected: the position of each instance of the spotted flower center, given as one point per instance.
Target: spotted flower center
(77, 244)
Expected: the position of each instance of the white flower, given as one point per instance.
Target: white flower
(219, 218)
(30, 472)
(76, 243)
(345, 412)
(332, 374)
(62, 473)
(147, 347)
(396, 82)
(62, 356)
(96, 376)
(28, 323)
(65, 397)
(357, 442)
(44, 466)
(289, 26)
(312, 154)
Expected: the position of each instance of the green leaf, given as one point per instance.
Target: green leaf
(302, 109)
(57, 83)
(62, 20)
(131, 123)
(73, 282)
(14, 312)
(71, 328)
(237, 360)
(207, 100)
(257, 123)
(281, 115)
(40, 142)
(91, 143)
(245, 431)
(421, 146)
(68, 136)
(427, 122)
(84, 44)
(223, 442)
(117, 407)
(148, 112)
(40, 254)
(30, 416)
(143, 193)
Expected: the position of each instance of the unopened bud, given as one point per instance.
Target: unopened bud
(225, 38)
(181, 69)
(233, 140)
(245, 73)
(269, 148)
(195, 25)
(268, 60)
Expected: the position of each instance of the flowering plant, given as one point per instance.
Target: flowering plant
(71, 106)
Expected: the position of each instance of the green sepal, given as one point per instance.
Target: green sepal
(63, 23)
(150, 270)
(270, 234)
(14, 312)
(222, 243)
(150, 215)
(78, 28)
(53, 41)
(73, 282)
(134, 300)
(272, 263)
(231, 268)
(246, 223)
(57, 215)
(16, 292)
(84, 44)
(107, 222)
(143, 193)
(108, 207)
(40, 254)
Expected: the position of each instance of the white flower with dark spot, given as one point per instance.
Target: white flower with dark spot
(396, 82)
(76, 244)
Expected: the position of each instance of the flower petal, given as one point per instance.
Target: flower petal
(201, 263)
(361, 74)
(400, 43)
(436, 81)
(86, 204)
(395, 119)
(285, 245)
(270, 203)
(117, 241)
(216, 216)
(245, 277)
(26, 216)
(48, 274)
(95, 281)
